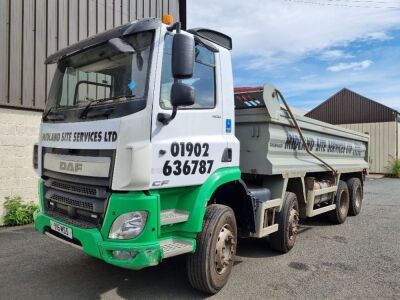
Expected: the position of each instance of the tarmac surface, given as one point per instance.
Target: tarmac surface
(358, 259)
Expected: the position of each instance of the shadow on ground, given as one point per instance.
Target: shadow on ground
(33, 262)
(34, 266)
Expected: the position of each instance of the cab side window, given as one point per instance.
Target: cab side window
(203, 80)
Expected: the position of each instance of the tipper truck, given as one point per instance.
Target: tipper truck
(146, 152)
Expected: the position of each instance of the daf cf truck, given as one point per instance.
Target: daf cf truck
(146, 152)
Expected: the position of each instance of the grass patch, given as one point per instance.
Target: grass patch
(395, 167)
(18, 212)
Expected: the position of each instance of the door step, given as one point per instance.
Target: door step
(173, 216)
(174, 247)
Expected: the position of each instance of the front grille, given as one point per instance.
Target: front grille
(90, 191)
(75, 188)
(75, 204)
(74, 222)
(71, 202)
(75, 183)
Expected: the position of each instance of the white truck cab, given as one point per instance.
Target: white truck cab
(127, 94)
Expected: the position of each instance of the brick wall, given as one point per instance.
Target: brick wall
(19, 130)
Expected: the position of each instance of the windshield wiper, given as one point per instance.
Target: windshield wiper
(94, 101)
(55, 117)
(44, 118)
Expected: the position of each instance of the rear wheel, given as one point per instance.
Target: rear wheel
(210, 266)
(288, 221)
(356, 196)
(339, 214)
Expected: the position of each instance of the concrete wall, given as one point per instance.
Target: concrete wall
(19, 130)
(383, 145)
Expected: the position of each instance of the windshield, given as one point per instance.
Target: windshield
(103, 74)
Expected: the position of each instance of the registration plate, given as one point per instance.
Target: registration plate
(64, 230)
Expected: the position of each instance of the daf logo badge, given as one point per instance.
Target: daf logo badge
(70, 166)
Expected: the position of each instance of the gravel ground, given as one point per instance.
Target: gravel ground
(359, 259)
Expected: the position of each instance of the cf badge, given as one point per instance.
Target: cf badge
(160, 183)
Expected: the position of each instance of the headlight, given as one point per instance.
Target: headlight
(128, 226)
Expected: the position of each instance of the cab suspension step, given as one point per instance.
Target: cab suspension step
(173, 216)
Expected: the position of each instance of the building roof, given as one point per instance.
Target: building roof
(348, 107)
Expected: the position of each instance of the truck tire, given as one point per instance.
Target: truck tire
(209, 267)
(288, 221)
(356, 195)
(342, 200)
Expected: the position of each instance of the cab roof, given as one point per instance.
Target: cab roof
(95, 40)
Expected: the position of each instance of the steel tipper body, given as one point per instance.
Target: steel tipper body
(270, 143)
(142, 155)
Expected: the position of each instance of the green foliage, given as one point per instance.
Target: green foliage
(395, 167)
(18, 212)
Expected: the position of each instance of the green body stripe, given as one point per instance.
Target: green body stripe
(194, 199)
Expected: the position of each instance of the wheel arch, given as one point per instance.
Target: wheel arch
(236, 195)
(346, 176)
(296, 185)
(204, 194)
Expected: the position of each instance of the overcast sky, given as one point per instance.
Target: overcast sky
(310, 49)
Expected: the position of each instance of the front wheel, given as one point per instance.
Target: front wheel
(209, 267)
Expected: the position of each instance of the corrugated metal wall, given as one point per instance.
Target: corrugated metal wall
(383, 143)
(398, 140)
(348, 107)
(30, 30)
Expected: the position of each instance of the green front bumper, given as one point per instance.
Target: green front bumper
(95, 242)
(147, 254)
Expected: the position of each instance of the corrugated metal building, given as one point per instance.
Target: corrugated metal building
(30, 30)
(353, 111)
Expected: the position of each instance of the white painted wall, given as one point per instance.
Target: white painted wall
(19, 130)
(383, 143)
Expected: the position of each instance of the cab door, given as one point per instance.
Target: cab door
(190, 148)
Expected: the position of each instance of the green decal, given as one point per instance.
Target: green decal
(194, 200)
(145, 248)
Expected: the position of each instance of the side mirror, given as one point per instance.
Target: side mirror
(183, 56)
(182, 95)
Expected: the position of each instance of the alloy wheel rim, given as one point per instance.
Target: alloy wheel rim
(293, 223)
(225, 249)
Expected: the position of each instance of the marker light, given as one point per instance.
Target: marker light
(168, 19)
(124, 254)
